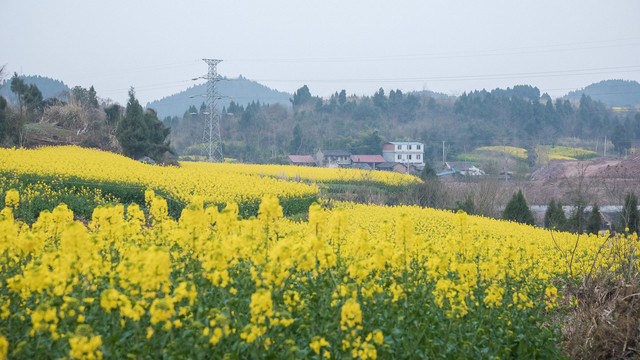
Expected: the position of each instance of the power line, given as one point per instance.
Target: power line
(560, 47)
(574, 72)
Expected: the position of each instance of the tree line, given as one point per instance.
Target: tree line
(267, 133)
(518, 116)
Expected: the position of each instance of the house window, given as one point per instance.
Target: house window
(409, 147)
(409, 155)
(418, 147)
(399, 156)
(418, 156)
(399, 147)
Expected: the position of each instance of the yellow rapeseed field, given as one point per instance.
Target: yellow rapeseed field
(353, 281)
(211, 183)
(349, 281)
(516, 152)
(321, 174)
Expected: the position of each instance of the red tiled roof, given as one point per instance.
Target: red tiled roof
(367, 159)
(301, 159)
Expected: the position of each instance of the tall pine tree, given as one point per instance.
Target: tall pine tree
(594, 221)
(554, 217)
(141, 133)
(517, 210)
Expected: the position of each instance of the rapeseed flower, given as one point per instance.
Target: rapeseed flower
(317, 343)
(12, 199)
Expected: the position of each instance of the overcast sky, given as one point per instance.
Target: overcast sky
(446, 46)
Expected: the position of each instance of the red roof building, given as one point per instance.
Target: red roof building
(305, 160)
(371, 160)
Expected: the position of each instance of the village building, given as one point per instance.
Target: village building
(367, 162)
(405, 152)
(462, 168)
(302, 160)
(333, 158)
(408, 153)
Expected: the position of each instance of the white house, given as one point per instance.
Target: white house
(405, 152)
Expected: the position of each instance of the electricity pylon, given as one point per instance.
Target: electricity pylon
(211, 134)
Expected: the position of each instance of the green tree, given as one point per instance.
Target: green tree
(620, 139)
(428, 173)
(132, 131)
(33, 98)
(19, 88)
(468, 206)
(93, 98)
(301, 96)
(630, 217)
(85, 97)
(379, 99)
(554, 217)
(141, 133)
(16, 121)
(342, 97)
(517, 210)
(157, 135)
(4, 124)
(594, 222)
(296, 142)
(113, 114)
(368, 142)
(576, 222)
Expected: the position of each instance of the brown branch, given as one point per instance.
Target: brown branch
(596, 258)
(564, 254)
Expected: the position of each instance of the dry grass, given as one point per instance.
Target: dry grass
(605, 323)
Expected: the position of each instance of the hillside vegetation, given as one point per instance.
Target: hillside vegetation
(518, 117)
(611, 92)
(240, 90)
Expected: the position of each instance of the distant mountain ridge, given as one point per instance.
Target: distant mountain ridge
(240, 90)
(611, 92)
(47, 86)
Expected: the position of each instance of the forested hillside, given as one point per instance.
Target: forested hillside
(240, 90)
(47, 86)
(517, 116)
(611, 92)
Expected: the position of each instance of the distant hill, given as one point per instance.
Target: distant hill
(241, 91)
(432, 94)
(49, 87)
(611, 92)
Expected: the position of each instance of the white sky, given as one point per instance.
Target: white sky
(446, 46)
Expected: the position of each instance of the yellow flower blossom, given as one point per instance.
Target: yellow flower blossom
(317, 343)
(12, 199)
(351, 315)
(4, 347)
(84, 345)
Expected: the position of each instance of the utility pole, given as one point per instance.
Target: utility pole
(443, 160)
(211, 134)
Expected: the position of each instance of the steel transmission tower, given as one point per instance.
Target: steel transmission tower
(211, 135)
